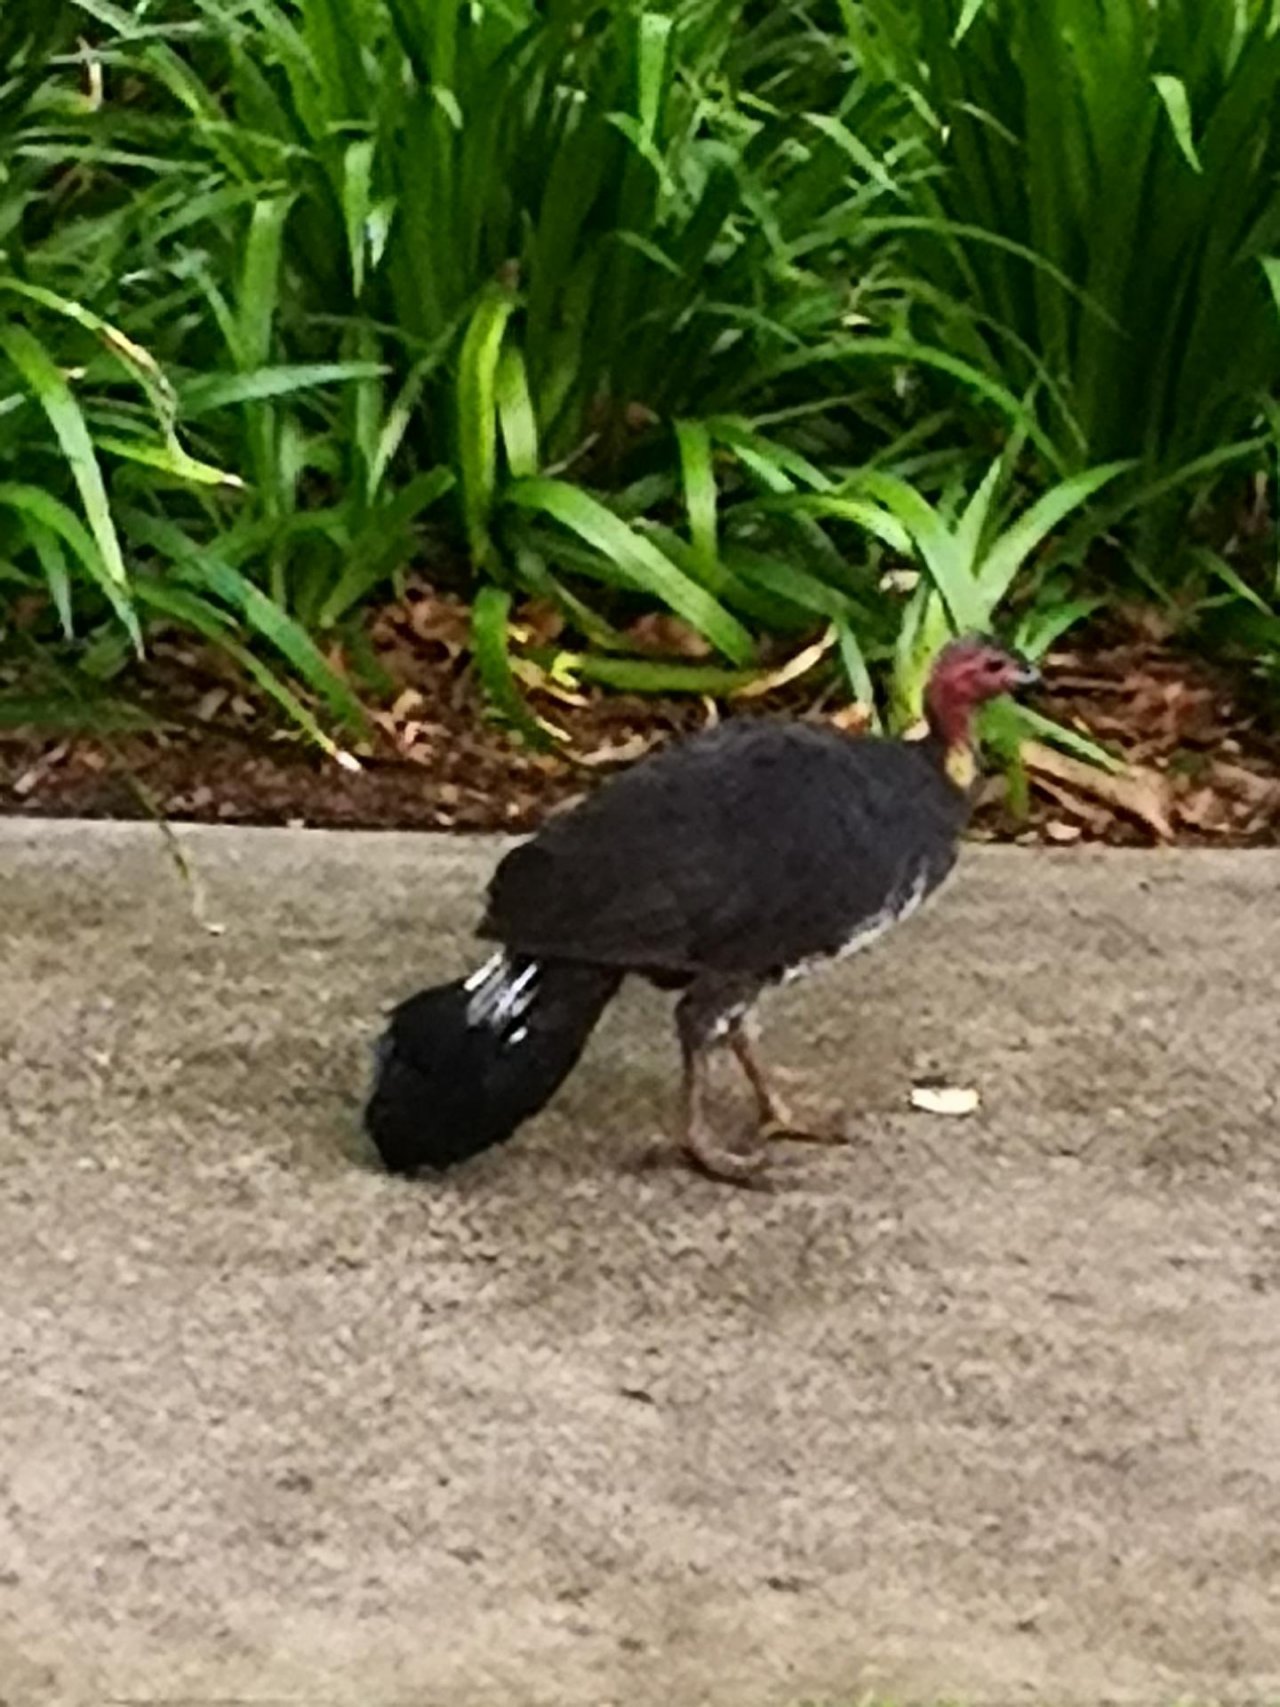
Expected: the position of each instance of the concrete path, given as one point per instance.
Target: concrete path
(987, 1409)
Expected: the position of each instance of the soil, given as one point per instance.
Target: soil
(1204, 764)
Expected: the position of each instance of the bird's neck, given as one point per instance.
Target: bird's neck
(950, 738)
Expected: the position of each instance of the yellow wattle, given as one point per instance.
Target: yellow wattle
(962, 767)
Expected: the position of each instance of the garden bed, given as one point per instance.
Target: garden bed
(1204, 764)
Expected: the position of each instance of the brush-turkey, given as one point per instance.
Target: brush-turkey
(736, 860)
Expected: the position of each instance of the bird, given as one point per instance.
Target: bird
(738, 859)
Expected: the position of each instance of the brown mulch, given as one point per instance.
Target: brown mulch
(1203, 768)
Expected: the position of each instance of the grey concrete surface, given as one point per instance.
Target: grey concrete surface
(987, 1409)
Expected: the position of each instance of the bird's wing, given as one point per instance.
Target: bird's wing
(748, 850)
(620, 878)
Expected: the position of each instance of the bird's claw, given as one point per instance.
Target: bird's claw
(815, 1127)
(732, 1167)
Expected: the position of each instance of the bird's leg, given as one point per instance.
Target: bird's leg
(701, 1023)
(698, 1135)
(770, 1106)
(776, 1119)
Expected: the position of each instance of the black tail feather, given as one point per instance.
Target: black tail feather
(462, 1065)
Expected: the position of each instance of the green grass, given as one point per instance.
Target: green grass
(698, 305)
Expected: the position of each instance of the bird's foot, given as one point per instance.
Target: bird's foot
(735, 1167)
(810, 1123)
(805, 1123)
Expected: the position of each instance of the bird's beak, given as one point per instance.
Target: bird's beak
(1025, 674)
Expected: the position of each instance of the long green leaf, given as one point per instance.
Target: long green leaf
(42, 374)
(856, 671)
(477, 418)
(936, 546)
(841, 507)
(260, 282)
(490, 639)
(34, 503)
(53, 560)
(972, 525)
(384, 544)
(645, 675)
(357, 198)
(169, 459)
(515, 414)
(1173, 93)
(700, 496)
(1012, 549)
(203, 395)
(126, 350)
(208, 574)
(1036, 725)
(197, 614)
(643, 562)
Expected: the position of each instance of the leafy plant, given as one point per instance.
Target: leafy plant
(973, 553)
(520, 240)
(95, 476)
(1103, 218)
(727, 310)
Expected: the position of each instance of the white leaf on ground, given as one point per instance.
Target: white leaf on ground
(952, 1100)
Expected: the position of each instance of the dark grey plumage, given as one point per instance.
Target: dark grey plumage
(747, 849)
(734, 860)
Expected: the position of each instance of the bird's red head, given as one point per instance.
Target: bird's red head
(965, 674)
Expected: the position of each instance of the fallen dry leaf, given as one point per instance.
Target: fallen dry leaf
(1141, 793)
(661, 632)
(406, 704)
(954, 1101)
(851, 719)
(444, 621)
(618, 752)
(796, 666)
(1202, 809)
(210, 704)
(1246, 784)
(35, 774)
(1096, 819)
(539, 623)
(903, 581)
